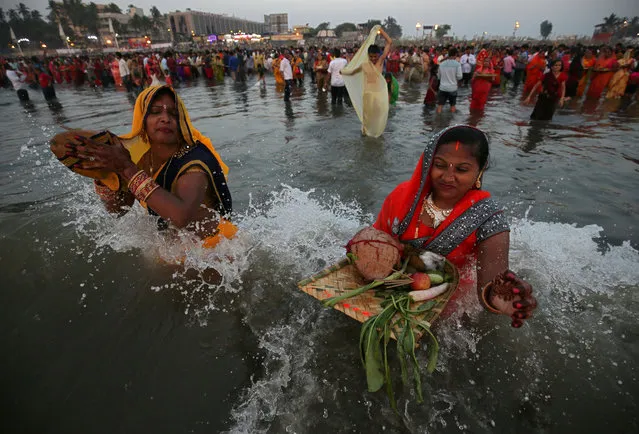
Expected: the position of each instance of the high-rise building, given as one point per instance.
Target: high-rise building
(276, 23)
(191, 23)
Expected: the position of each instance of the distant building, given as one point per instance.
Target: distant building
(352, 36)
(103, 22)
(135, 11)
(326, 34)
(276, 23)
(192, 23)
(602, 34)
(302, 29)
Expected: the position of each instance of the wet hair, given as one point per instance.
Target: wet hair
(475, 138)
(374, 49)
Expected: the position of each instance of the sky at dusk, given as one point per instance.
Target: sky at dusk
(467, 17)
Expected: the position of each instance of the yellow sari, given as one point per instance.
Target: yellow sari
(619, 81)
(138, 146)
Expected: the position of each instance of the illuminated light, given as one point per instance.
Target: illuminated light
(23, 40)
(108, 41)
(148, 42)
(44, 45)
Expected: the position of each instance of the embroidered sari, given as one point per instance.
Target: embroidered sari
(473, 219)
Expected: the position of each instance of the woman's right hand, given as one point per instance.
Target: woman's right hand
(113, 158)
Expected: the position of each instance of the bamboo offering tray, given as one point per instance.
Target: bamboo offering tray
(343, 276)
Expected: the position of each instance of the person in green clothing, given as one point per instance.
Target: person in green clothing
(393, 88)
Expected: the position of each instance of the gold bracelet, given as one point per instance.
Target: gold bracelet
(152, 187)
(484, 297)
(136, 180)
(139, 192)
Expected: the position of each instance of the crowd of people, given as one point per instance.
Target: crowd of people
(174, 171)
(550, 75)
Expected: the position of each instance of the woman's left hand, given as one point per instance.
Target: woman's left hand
(95, 156)
(512, 296)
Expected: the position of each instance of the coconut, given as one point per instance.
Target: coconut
(376, 253)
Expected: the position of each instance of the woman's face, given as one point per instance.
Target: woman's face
(454, 172)
(556, 66)
(161, 124)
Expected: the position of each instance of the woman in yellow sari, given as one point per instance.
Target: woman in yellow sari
(279, 78)
(619, 81)
(164, 163)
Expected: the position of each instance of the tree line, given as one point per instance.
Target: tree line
(390, 25)
(78, 20)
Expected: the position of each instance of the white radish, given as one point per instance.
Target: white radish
(427, 294)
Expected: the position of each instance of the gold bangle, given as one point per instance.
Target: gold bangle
(136, 180)
(153, 188)
(139, 191)
(484, 297)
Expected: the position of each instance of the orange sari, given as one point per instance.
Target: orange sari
(600, 79)
(587, 65)
(534, 72)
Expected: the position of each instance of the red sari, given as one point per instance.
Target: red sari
(395, 218)
(601, 79)
(534, 72)
(398, 204)
(480, 89)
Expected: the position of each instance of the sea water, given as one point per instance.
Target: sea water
(103, 332)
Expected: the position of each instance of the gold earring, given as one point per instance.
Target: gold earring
(478, 183)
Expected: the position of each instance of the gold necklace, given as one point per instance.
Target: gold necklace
(437, 214)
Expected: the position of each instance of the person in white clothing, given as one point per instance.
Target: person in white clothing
(124, 71)
(287, 73)
(338, 86)
(449, 74)
(468, 62)
(17, 79)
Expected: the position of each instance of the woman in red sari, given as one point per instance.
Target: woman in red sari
(498, 65)
(553, 92)
(443, 209)
(602, 72)
(482, 82)
(534, 71)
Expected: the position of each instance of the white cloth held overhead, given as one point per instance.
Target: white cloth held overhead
(369, 95)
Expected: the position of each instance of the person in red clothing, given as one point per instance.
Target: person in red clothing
(482, 82)
(442, 209)
(46, 84)
(605, 67)
(553, 91)
(535, 71)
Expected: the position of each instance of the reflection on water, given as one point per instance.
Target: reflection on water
(96, 322)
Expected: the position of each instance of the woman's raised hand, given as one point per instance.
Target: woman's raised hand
(113, 157)
(512, 296)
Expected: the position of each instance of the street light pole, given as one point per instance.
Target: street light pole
(516, 28)
(417, 27)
